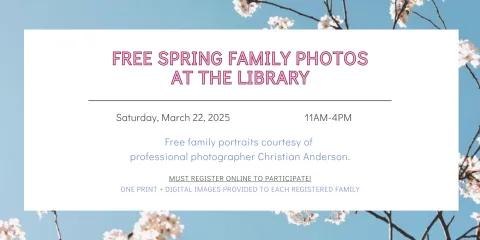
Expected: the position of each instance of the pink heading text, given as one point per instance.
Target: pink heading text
(276, 60)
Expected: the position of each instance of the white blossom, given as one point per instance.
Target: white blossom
(337, 217)
(475, 216)
(280, 23)
(470, 185)
(115, 234)
(327, 23)
(41, 213)
(468, 53)
(244, 8)
(11, 229)
(300, 218)
(157, 225)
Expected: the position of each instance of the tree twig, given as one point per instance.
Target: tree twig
(398, 229)
(398, 15)
(473, 75)
(444, 226)
(465, 235)
(287, 8)
(425, 234)
(55, 217)
(425, 18)
(345, 13)
(451, 220)
(390, 228)
(438, 14)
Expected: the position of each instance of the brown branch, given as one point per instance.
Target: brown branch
(390, 228)
(130, 235)
(286, 8)
(478, 232)
(345, 13)
(425, 18)
(444, 226)
(473, 75)
(330, 13)
(398, 229)
(55, 216)
(465, 235)
(397, 15)
(425, 234)
(438, 14)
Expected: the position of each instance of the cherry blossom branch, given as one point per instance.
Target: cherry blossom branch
(470, 236)
(444, 226)
(55, 217)
(345, 13)
(445, 27)
(463, 169)
(330, 13)
(425, 18)
(398, 229)
(130, 235)
(390, 228)
(465, 235)
(473, 141)
(425, 234)
(397, 15)
(473, 75)
(438, 14)
(285, 8)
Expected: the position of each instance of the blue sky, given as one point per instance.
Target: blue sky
(208, 14)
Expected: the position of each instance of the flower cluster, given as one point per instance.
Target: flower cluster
(396, 7)
(280, 23)
(470, 178)
(152, 225)
(115, 234)
(245, 8)
(327, 23)
(158, 225)
(468, 54)
(11, 229)
(337, 217)
(300, 218)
